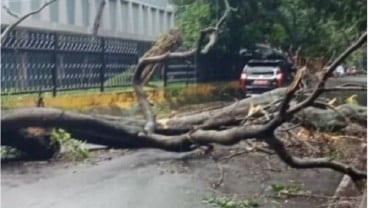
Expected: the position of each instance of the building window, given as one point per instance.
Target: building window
(85, 12)
(71, 11)
(162, 22)
(135, 18)
(125, 15)
(169, 16)
(149, 21)
(154, 22)
(113, 16)
(144, 19)
(54, 12)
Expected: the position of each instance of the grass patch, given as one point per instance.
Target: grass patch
(73, 149)
(9, 152)
(226, 202)
(282, 190)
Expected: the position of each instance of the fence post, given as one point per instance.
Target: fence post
(187, 75)
(54, 69)
(165, 73)
(103, 67)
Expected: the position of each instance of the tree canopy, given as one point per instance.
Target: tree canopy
(320, 28)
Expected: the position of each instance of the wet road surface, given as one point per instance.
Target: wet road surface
(152, 178)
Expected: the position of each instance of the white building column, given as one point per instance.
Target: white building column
(119, 15)
(45, 13)
(63, 12)
(150, 21)
(78, 12)
(140, 19)
(25, 7)
(106, 16)
(158, 23)
(130, 17)
(92, 13)
(166, 21)
(172, 20)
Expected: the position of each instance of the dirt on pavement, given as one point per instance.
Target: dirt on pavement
(153, 178)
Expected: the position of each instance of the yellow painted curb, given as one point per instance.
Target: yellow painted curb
(126, 99)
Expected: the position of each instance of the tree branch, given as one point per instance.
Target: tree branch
(94, 130)
(16, 23)
(98, 18)
(10, 12)
(327, 73)
(213, 31)
(138, 88)
(137, 78)
(296, 162)
(329, 89)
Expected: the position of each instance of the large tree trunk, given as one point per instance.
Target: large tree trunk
(36, 143)
(125, 133)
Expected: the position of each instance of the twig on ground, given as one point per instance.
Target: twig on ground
(220, 179)
(291, 127)
(233, 155)
(316, 196)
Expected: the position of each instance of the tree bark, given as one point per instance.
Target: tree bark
(125, 133)
(169, 42)
(36, 143)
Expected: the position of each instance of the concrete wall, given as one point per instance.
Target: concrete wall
(131, 19)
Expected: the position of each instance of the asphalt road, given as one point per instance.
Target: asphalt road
(152, 178)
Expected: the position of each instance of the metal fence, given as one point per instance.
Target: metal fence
(48, 61)
(180, 71)
(34, 61)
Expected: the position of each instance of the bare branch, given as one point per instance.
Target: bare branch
(332, 57)
(98, 18)
(321, 84)
(213, 31)
(10, 27)
(329, 89)
(298, 51)
(137, 80)
(296, 162)
(293, 87)
(10, 12)
(343, 87)
(138, 88)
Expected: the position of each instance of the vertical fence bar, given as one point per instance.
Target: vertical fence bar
(165, 73)
(195, 58)
(103, 66)
(54, 69)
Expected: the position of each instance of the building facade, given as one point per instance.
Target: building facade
(142, 20)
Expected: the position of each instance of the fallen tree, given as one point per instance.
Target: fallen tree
(254, 118)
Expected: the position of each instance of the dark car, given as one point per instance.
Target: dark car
(259, 76)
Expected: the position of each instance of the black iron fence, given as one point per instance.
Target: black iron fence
(34, 61)
(49, 61)
(180, 71)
